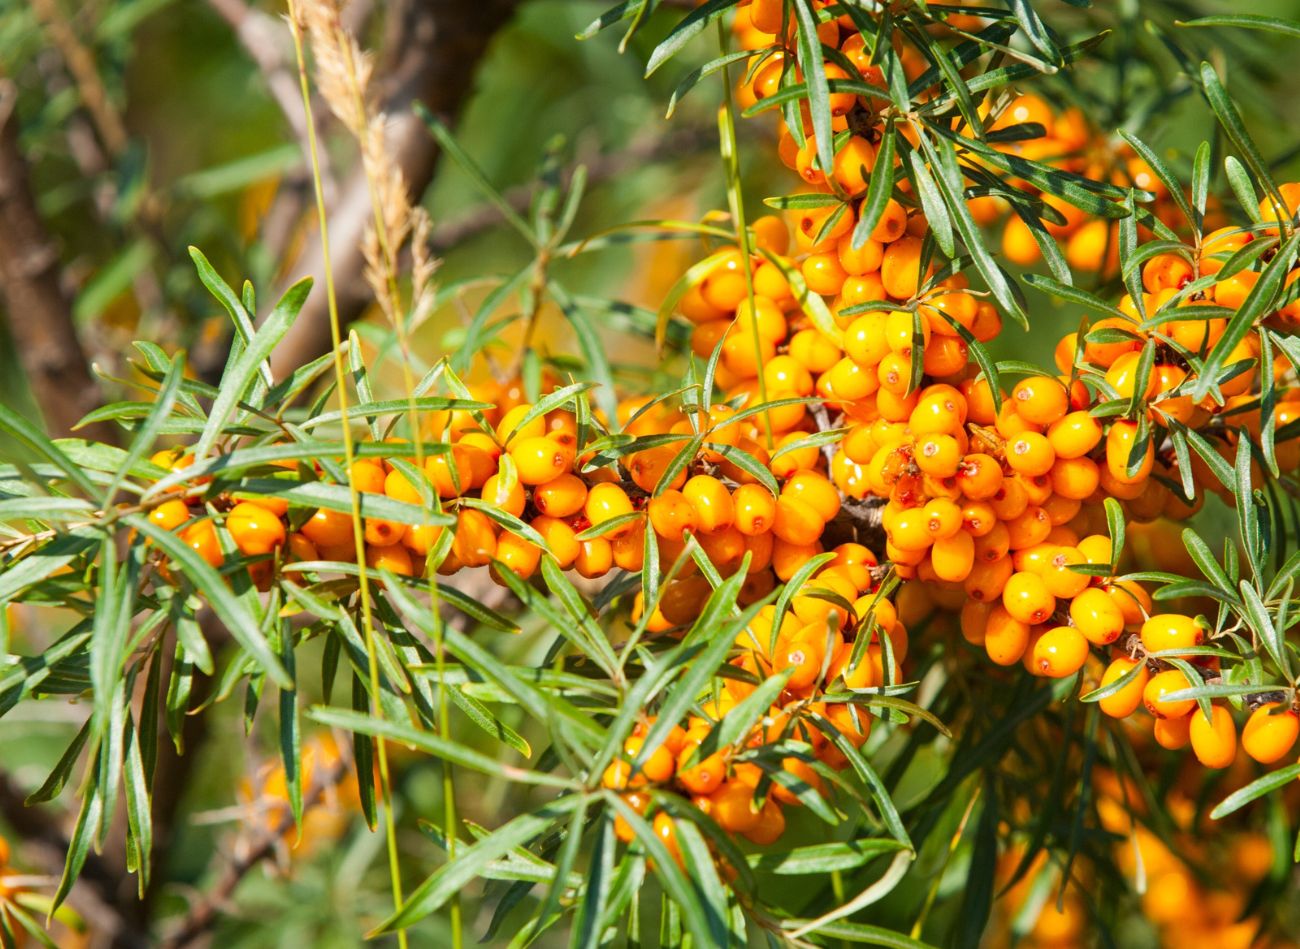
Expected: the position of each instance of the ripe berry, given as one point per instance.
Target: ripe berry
(1125, 701)
(538, 459)
(1027, 599)
(1096, 616)
(1060, 652)
(1214, 740)
(711, 501)
(1005, 637)
(1039, 400)
(562, 496)
(605, 502)
(1170, 631)
(1162, 684)
(1270, 732)
(170, 514)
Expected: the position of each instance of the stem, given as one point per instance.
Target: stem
(358, 538)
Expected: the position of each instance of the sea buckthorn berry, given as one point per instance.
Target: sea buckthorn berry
(1031, 453)
(1214, 740)
(714, 508)
(1005, 637)
(381, 532)
(978, 518)
(512, 427)
(1172, 733)
(450, 472)
(988, 579)
(1096, 616)
(538, 459)
(562, 497)
(605, 502)
(1060, 652)
(953, 557)
(648, 467)
(755, 509)
(1074, 435)
(475, 541)
(816, 490)
(699, 775)
(815, 350)
(666, 830)
(979, 477)
(1028, 528)
(943, 519)
(1075, 478)
(671, 514)
(506, 497)
(796, 521)
(1171, 631)
(733, 807)
(367, 476)
(327, 528)
(201, 536)
(1125, 700)
(1121, 441)
(1162, 684)
(561, 539)
(938, 455)
(804, 655)
(658, 767)
(170, 514)
(1270, 732)
(1061, 581)
(1040, 400)
(1133, 601)
(394, 558)
(1027, 598)
(518, 555)
(595, 557)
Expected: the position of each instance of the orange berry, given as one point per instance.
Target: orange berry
(1096, 616)
(170, 514)
(755, 509)
(450, 472)
(475, 541)
(539, 459)
(1162, 684)
(562, 496)
(1027, 598)
(1124, 701)
(666, 830)
(1040, 400)
(733, 807)
(1170, 631)
(1214, 740)
(519, 556)
(393, 558)
(508, 498)
(816, 491)
(1172, 733)
(605, 502)
(202, 537)
(379, 532)
(1061, 581)
(1031, 453)
(709, 497)
(1270, 732)
(1005, 637)
(327, 528)
(1060, 652)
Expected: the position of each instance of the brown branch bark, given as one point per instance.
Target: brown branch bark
(39, 312)
(433, 48)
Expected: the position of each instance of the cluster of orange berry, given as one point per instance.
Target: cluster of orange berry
(330, 792)
(1071, 143)
(991, 505)
(814, 644)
